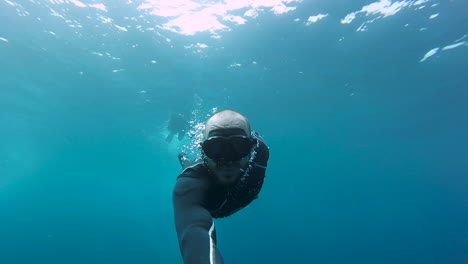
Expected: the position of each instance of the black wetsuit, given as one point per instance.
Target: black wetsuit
(198, 199)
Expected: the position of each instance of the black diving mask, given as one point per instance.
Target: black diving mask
(227, 148)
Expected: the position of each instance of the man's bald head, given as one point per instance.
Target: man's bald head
(228, 120)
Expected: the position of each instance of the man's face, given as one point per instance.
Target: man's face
(228, 166)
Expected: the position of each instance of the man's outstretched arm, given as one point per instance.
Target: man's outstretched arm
(194, 224)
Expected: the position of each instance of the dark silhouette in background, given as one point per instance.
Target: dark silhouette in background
(177, 125)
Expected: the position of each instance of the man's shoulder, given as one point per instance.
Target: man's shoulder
(263, 151)
(197, 170)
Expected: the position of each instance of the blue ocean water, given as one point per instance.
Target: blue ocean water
(363, 104)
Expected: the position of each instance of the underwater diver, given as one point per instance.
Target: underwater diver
(177, 125)
(227, 177)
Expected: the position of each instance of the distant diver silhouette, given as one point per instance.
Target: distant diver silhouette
(177, 125)
(227, 177)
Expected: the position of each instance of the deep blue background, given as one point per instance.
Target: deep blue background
(368, 146)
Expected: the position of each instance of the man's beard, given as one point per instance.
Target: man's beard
(228, 173)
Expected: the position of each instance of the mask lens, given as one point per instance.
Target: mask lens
(242, 145)
(214, 147)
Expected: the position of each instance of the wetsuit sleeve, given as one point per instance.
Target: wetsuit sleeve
(194, 224)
